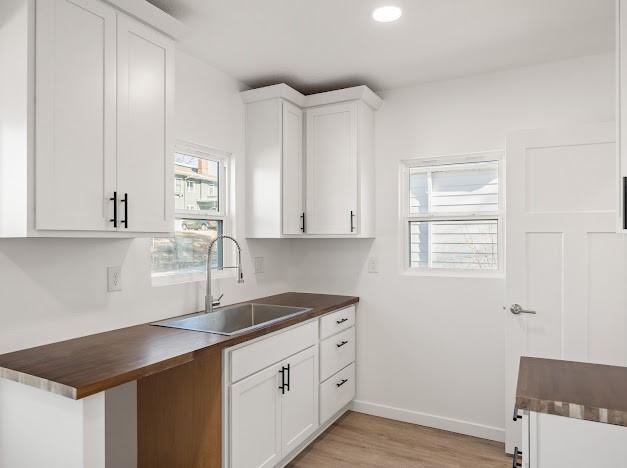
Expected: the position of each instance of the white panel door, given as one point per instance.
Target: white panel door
(75, 115)
(299, 404)
(564, 260)
(255, 437)
(145, 111)
(292, 162)
(331, 169)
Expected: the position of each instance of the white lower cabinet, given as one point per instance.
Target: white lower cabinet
(256, 420)
(299, 404)
(336, 392)
(551, 441)
(277, 400)
(274, 410)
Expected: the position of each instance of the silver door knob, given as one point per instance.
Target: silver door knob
(517, 309)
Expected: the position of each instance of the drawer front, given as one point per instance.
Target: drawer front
(257, 356)
(337, 352)
(337, 321)
(336, 392)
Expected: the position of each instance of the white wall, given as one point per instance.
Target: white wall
(54, 289)
(431, 348)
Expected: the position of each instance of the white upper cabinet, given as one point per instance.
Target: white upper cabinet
(99, 107)
(332, 169)
(311, 176)
(274, 158)
(145, 109)
(75, 114)
(292, 179)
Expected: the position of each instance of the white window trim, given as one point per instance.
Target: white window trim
(405, 218)
(223, 214)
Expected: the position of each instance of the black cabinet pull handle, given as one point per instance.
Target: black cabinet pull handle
(285, 386)
(515, 462)
(341, 320)
(342, 343)
(339, 384)
(624, 202)
(125, 201)
(114, 199)
(302, 217)
(352, 224)
(289, 377)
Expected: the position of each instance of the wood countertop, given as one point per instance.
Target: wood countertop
(87, 365)
(594, 392)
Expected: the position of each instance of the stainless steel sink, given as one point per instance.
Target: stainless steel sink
(231, 320)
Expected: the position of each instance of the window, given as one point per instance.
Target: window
(200, 216)
(452, 214)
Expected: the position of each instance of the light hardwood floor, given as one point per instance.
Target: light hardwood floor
(361, 440)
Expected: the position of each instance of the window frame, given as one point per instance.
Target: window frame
(405, 217)
(222, 214)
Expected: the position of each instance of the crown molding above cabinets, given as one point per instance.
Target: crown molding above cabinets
(92, 156)
(310, 163)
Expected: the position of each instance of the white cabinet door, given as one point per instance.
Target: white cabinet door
(255, 438)
(75, 115)
(332, 169)
(292, 162)
(145, 110)
(299, 406)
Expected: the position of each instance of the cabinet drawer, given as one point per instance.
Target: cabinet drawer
(337, 321)
(256, 356)
(337, 392)
(336, 353)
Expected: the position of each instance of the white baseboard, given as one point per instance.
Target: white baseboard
(430, 420)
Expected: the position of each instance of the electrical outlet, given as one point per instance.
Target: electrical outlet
(259, 265)
(114, 278)
(373, 266)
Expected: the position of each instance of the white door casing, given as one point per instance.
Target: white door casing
(564, 259)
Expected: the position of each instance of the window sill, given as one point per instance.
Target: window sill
(170, 279)
(454, 273)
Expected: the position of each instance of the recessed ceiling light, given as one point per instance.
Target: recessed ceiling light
(387, 14)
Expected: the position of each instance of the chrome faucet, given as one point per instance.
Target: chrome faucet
(209, 302)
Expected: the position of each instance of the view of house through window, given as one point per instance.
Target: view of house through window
(199, 216)
(453, 215)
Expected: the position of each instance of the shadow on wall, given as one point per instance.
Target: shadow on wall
(68, 272)
(332, 266)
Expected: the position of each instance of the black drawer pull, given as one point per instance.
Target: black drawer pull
(341, 383)
(624, 202)
(516, 417)
(342, 343)
(352, 221)
(515, 462)
(302, 227)
(125, 201)
(285, 379)
(341, 320)
(114, 199)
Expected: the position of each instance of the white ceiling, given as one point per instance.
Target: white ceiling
(316, 45)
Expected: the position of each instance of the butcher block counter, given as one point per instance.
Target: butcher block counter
(573, 414)
(143, 396)
(84, 366)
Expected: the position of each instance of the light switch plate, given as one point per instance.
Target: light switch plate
(259, 265)
(114, 278)
(373, 266)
